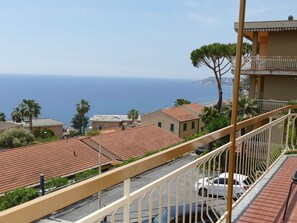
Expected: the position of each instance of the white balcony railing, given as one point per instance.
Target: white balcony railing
(256, 152)
(270, 105)
(271, 63)
(178, 192)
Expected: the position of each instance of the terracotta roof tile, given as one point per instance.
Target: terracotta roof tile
(20, 167)
(179, 114)
(136, 141)
(196, 107)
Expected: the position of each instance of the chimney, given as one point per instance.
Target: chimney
(290, 17)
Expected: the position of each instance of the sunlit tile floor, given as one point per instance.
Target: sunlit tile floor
(269, 206)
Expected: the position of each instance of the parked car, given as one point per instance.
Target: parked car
(209, 215)
(200, 150)
(219, 185)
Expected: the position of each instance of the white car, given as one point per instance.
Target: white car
(219, 185)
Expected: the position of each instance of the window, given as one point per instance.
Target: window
(172, 127)
(193, 125)
(185, 126)
(221, 181)
(160, 124)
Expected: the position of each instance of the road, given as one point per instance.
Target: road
(91, 204)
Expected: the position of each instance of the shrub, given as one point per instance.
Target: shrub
(86, 174)
(15, 137)
(17, 197)
(93, 133)
(46, 133)
(56, 182)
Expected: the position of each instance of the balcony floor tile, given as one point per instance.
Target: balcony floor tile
(269, 205)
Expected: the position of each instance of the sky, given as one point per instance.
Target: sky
(116, 38)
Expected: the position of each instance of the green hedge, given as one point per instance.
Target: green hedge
(86, 174)
(17, 197)
(56, 182)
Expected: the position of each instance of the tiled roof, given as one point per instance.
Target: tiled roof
(196, 107)
(179, 114)
(20, 167)
(136, 141)
(269, 26)
(43, 122)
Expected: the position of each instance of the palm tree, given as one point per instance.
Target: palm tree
(30, 109)
(83, 108)
(2, 117)
(181, 101)
(247, 108)
(133, 114)
(208, 114)
(16, 114)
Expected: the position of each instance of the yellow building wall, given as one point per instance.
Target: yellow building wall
(166, 121)
(282, 43)
(158, 116)
(190, 131)
(272, 89)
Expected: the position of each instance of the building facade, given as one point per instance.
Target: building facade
(183, 121)
(273, 66)
(46, 123)
(103, 122)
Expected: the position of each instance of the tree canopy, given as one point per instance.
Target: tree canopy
(16, 114)
(2, 117)
(133, 114)
(80, 121)
(219, 58)
(15, 137)
(181, 101)
(31, 109)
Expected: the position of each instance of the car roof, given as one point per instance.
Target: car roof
(236, 176)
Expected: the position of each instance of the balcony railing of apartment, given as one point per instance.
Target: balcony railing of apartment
(197, 190)
(271, 63)
(270, 105)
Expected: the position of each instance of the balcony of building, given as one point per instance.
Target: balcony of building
(270, 105)
(199, 187)
(270, 65)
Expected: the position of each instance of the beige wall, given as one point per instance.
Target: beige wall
(159, 116)
(58, 130)
(190, 131)
(275, 87)
(105, 125)
(282, 43)
(282, 88)
(166, 120)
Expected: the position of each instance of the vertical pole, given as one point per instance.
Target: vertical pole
(99, 169)
(41, 179)
(234, 109)
(288, 129)
(127, 205)
(269, 144)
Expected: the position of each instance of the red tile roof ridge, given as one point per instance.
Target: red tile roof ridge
(105, 147)
(38, 144)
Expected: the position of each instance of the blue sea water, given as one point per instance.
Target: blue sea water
(58, 95)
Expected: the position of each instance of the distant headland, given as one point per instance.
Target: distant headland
(227, 81)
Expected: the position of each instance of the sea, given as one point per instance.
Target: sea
(58, 95)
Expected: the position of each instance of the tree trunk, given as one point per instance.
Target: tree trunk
(30, 124)
(82, 125)
(219, 104)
